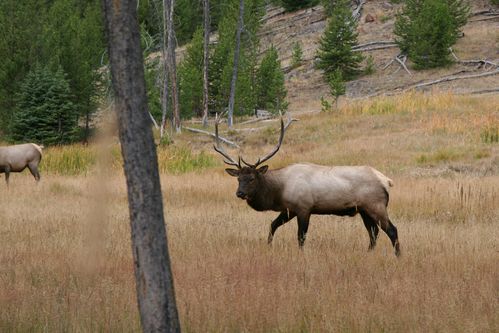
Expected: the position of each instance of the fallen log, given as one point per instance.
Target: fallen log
(379, 42)
(453, 78)
(485, 19)
(380, 47)
(484, 91)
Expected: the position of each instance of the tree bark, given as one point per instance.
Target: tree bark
(232, 96)
(206, 23)
(168, 6)
(154, 281)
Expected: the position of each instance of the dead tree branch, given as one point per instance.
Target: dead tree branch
(402, 63)
(401, 59)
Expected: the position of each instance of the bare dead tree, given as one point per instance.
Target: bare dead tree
(168, 6)
(357, 12)
(206, 43)
(232, 96)
(154, 282)
(164, 78)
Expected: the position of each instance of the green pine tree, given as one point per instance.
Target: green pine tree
(297, 55)
(45, 112)
(20, 22)
(221, 60)
(75, 42)
(426, 29)
(271, 92)
(191, 78)
(335, 46)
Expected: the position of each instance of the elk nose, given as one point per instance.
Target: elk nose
(240, 194)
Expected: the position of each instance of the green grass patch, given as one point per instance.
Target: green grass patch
(440, 156)
(490, 134)
(178, 160)
(79, 160)
(481, 154)
(68, 160)
(382, 107)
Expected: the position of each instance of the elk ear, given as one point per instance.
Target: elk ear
(263, 169)
(232, 172)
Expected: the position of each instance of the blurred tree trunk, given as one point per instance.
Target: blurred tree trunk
(206, 23)
(168, 6)
(154, 282)
(232, 96)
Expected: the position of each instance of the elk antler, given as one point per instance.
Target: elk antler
(219, 149)
(276, 148)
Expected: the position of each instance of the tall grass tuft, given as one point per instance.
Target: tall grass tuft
(490, 134)
(68, 160)
(410, 102)
(178, 160)
(79, 160)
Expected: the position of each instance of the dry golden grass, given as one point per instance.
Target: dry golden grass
(65, 260)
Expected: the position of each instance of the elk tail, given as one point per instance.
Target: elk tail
(387, 182)
(38, 147)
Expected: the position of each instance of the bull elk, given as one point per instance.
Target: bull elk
(300, 190)
(19, 157)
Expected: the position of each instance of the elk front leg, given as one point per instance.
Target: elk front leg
(280, 220)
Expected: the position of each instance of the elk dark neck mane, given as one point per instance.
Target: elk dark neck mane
(268, 196)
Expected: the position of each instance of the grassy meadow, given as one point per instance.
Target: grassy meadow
(65, 254)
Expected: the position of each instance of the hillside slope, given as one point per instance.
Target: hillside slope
(306, 86)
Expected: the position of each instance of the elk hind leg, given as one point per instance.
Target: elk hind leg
(372, 229)
(7, 174)
(381, 217)
(34, 171)
(284, 217)
(391, 231)
(303, 221)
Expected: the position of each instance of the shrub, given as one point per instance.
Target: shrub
(370, 69)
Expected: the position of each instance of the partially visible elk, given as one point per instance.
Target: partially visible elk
(300, 190)
(19, 157)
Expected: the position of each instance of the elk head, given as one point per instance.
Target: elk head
(250, 175)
